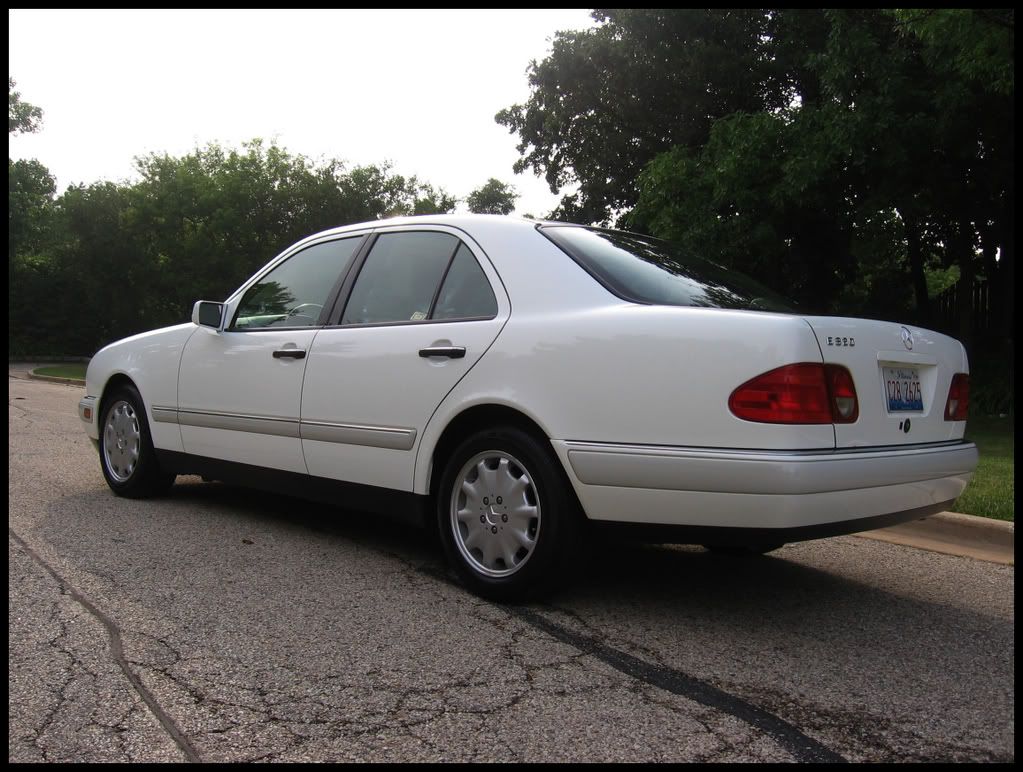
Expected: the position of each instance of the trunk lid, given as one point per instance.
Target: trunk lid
(902, 375)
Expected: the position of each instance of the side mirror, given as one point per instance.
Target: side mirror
(208, 314)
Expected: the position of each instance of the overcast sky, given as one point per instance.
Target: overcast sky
(416, 88)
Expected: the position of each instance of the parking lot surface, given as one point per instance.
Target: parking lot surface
(218, 624)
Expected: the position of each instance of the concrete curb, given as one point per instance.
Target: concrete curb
(953, 533)
(47, 360)
(55, 379)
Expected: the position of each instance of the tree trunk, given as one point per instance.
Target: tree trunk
(1007, 291)
(961, 245)
(916, 270)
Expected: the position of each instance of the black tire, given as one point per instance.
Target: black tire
(126, 453)
(530, 516)
(743, 550)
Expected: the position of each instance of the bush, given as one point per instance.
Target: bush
(991, 380)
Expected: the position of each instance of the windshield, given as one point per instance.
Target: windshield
(647, 270)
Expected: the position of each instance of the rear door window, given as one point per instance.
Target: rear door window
(466, 293)
(416, 277)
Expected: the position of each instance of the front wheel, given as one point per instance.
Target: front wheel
(506, 517)
(126, 452)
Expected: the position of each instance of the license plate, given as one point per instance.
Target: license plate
(902, 389)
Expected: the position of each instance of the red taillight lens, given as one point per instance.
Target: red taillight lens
(958, 404)
(845, 408)
(804, 393)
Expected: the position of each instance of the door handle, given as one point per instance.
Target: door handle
(289, 353)
(451, 352)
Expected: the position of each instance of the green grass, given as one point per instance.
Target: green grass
(68, 370)
(990, 492)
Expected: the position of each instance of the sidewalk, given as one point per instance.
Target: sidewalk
(955, 534)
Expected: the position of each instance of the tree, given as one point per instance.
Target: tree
(29, 218)
(21, 116)
(606, 101)
(427, 200)
(494, 197)
(970, 53)
(29, 201)
(135, 256)
(845, 156)
(895, 160)
(217, 215)
(30, 184)
(976, 43)
(30, 267)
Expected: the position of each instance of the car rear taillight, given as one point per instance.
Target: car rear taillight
(804, 393)
(958, 404)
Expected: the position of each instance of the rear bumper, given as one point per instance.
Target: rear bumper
(818, 492)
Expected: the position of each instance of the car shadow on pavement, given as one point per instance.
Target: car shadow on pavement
(876, 631)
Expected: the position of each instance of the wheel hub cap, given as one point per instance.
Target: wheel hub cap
(495, 513)
(122, 440)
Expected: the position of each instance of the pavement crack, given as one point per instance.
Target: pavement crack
(116, 650)
(789, 737)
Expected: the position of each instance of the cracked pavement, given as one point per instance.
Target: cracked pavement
(219, 624)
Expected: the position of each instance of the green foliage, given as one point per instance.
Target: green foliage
(749, 200)
(940, 279)
(991, 391)
(29, 205)
(890, 163)
(608, 100)
(494, 197)
(71, 370)
(135, 256)
(21, 116)
(430, 201)
(856, 160)
(991, 492)
(30, 211)
(976, 43)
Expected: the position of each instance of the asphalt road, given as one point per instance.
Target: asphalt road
(218, 624)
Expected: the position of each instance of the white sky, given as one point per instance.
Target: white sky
(417, 88)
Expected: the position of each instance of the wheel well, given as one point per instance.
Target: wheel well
(474, 419)
(116, 381)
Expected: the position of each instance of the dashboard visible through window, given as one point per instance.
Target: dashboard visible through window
(293, 294)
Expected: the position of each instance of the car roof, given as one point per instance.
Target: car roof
(468, 222)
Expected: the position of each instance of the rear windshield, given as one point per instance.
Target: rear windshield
(647, 270)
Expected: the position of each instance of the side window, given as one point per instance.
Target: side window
(400, 277)
(293, 293)
(466, 293)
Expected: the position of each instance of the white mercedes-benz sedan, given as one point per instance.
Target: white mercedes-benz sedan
(515, 381)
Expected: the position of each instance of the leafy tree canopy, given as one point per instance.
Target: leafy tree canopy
(494, 197)
(842, 156)
(976, 43)
(136, 255)
(21, 116)
(607, 100)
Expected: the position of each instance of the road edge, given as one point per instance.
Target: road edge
(56, 379)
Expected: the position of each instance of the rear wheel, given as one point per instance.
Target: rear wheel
(506, 517)
(126, 452)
